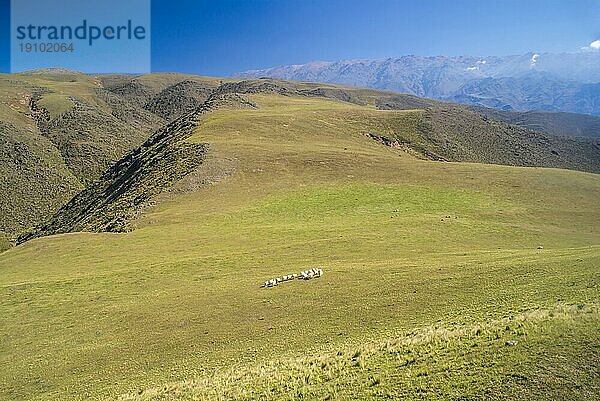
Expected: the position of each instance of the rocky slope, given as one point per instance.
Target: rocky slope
(60, 130)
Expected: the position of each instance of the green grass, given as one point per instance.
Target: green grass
(505, 358)
(405, 244)
(56, 104)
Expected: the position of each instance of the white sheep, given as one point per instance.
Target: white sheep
(304, 275)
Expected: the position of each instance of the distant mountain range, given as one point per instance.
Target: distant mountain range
(568, 82)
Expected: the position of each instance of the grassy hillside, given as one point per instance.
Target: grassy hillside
(568, 124)
(555, 123)
(118, 196)
(76, 126)
(461, 135)
(430, 268)
(153, 90)
(465, 361)
(34, 177)
(58, 134)
(60, 130)
(436, 133)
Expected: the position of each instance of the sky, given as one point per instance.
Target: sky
(222, 37)
(90, 52)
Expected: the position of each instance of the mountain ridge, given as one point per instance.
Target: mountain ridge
(564, 82)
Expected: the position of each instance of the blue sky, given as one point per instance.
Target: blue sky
(222, 37)
(124, 54)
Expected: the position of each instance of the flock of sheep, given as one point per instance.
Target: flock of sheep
(315, 272)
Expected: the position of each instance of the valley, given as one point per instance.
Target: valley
(474, 277)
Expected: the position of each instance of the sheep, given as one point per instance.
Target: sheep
(311, 273)
(303, 275)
